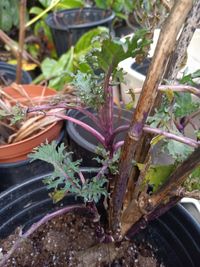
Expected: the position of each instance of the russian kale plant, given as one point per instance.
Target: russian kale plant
(133, 189)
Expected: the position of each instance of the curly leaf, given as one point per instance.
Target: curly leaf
(64, 178)
(114, 50)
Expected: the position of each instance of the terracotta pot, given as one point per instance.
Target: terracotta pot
(19, 150)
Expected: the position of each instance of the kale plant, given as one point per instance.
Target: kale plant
(128, 197)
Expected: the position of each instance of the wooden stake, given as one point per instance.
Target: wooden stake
(22, 13)
(154, 76)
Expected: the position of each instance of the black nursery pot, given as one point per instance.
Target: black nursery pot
(175, 236)
(27, 202)
(84, 144)
(67, 26)
(16, 172)
(8, 74)
(142, 67)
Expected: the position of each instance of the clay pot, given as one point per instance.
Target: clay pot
(19, 150)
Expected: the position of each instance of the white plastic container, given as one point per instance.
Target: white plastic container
(193, 206)
(135, 79)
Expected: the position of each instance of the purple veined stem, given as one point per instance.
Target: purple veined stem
(50, 216)
(110, 109)
(116, 131)
(63, 105)
(80, 174)
(117, 146)
(102, 119)
(175, 88)
(101, 171)
(106, 115)
(181, 139)
(88, 114)
(120, 129)
(88, 128)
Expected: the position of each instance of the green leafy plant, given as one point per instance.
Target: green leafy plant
(9, 14)
(121, 8)
(190, 78)
(67, 176)
(95, 92)
(59, 72)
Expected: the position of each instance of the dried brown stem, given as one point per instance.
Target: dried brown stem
(154, 76)
(180, 51)
(182, 192)
(22, 14)
(14, 48)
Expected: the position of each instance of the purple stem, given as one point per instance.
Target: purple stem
(106, 114)
(110, 109)
(180, 88)
(117, 145)
(143, 222)
(88, 128)
(82, 178)
(181, 139)
(101, 171)
(118, 130)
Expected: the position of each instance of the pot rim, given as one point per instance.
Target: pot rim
(30, 138)
(54, 125)
(78, 138)
(50, 22)
(11, 69)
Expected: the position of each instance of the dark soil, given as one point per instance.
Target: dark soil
(61, 241)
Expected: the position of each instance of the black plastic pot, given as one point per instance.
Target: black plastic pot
(84, 144)
(27, 202)
(142, 67)
(67, 26)
(175, 236)
(17, 172)
(8, 74)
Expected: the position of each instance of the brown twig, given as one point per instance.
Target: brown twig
(22, 15)
(186, 35)
(182, 192)
(14, 48)
(20, 89)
